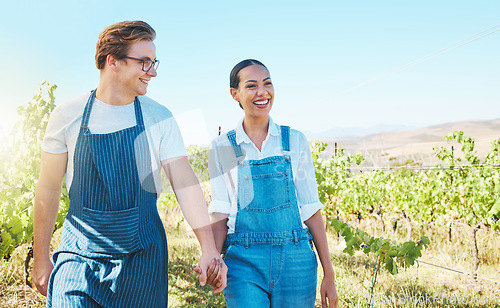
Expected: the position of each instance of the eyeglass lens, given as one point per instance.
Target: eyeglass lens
(148, 64)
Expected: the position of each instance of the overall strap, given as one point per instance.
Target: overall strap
(285, 138)
(236, 147)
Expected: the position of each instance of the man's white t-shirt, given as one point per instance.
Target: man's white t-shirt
(164, 136)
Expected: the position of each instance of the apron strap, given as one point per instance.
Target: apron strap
(88, 108)
(236, 147)
(138, 112)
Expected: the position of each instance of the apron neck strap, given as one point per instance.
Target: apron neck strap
(90, 103)
(138, 112)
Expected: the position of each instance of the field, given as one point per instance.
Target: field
(403, 231)
(429, 285)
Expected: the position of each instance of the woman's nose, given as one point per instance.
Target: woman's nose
(261, 91)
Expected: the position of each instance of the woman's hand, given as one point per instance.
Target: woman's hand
(215, 274)
(329, 296)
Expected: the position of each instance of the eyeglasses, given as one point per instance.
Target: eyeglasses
(146, 63)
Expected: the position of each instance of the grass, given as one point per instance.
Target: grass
(418, 286)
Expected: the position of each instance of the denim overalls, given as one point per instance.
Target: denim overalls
(113, 249)
(269, 256)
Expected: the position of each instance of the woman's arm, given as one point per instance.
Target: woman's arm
(219, 227)
(328, 289)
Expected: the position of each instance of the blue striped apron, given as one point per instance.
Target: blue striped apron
(113, 250)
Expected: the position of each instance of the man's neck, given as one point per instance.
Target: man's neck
(112, 94)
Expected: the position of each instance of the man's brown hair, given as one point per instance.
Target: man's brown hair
(116, 39)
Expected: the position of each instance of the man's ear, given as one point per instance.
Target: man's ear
(111, 62)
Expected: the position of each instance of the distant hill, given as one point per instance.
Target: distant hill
(398, 146)
(351, 132)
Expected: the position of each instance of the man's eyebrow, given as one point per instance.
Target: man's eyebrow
(146, 58)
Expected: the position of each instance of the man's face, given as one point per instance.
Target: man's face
(131, 75)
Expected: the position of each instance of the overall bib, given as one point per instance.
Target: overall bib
(269, 256)
(113, 250)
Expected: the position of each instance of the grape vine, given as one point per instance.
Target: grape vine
(19, 182)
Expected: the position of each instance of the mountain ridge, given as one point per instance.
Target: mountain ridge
(416, 144)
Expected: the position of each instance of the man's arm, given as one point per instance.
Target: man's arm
(47, 197)
(188, 191)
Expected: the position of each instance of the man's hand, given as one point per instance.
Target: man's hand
(41, 273)
(215, 274)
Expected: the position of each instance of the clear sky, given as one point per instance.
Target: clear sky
(325, 58)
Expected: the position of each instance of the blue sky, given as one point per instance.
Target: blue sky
(317, 52)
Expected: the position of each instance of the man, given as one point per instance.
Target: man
(111, 144)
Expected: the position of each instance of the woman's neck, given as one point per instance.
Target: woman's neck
(256, 129)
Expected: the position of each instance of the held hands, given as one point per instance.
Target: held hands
(329, 296)
(215, 275)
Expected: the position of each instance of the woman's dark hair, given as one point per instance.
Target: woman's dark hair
(234, 78)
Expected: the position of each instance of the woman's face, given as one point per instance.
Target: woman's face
(255, 91)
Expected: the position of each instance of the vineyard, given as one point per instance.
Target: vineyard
(462, 191)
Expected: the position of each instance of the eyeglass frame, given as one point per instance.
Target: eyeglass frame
(154, 63)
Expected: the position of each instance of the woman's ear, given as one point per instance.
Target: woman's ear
(234, 94)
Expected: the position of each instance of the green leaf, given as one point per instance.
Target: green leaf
(495, 209)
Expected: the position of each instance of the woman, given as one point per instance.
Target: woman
(265, 204)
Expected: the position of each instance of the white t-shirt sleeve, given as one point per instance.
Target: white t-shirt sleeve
(171, 142)
(54, 140)
(165, 133)
(221, 202)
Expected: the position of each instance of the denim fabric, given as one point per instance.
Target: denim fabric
(269, 256)
(271, 275)
(113, 249)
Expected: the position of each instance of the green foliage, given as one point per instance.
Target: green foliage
(18, 185)
(450, 192)
(198, 159)
(390, 253)
(444, 194)
(333, 177)
(472, 192)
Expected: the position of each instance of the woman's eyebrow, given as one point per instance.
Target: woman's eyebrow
(256, 80)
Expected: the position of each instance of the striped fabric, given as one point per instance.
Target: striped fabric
(113, 249)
